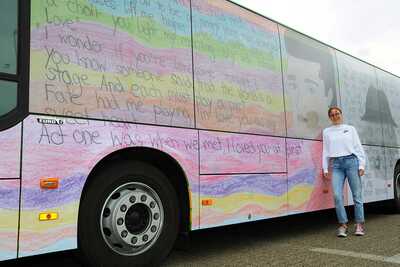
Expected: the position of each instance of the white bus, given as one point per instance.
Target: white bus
(127, 122)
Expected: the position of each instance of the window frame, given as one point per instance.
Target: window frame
(21, 77)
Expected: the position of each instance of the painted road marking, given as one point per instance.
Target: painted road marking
(392, 259)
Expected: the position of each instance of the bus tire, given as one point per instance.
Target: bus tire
(128, 216)
(396, 188)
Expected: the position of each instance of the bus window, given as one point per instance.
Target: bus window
(361, 97)
(8, 97)
(8, 37)
(237, 70)
(389, 103)
(310, 81)
(139, 72)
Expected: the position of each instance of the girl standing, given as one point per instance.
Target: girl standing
(342, 146)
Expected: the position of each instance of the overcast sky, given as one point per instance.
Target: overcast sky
(367, 29)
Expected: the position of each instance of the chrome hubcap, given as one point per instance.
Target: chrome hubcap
(132, 219)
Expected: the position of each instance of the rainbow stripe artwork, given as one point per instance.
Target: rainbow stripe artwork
(10, 143)
(70, 151)
(237, 70)
(241, 153)
(114, 60)
(241, 198)
(307, 190)
(9, 205)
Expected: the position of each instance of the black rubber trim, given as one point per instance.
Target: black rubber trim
(22, 77)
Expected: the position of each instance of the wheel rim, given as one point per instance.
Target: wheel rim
(131, 219)
(397, 185)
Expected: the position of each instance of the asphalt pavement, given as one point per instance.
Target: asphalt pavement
(299, 240)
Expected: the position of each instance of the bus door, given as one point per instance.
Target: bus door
(10, 161)
(13, 108)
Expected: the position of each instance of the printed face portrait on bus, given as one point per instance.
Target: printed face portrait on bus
(310, 84)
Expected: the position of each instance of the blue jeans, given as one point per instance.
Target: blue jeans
(342, 168)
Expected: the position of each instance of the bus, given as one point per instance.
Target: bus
(125, 123)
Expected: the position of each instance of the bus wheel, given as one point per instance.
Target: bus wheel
(396, 186)
(128, 216)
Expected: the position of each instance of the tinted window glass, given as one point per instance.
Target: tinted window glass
(8, 36)
(389, 107)
(149, 78)
(8, 96)
(311, 85)
(237, 70)
(360, 98)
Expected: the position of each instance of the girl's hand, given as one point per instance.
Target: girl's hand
(361, 172)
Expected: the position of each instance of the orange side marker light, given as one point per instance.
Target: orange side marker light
(49, 183)
(207, 202)
(48, 216)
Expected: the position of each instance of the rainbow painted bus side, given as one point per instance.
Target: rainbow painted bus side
(237, 100)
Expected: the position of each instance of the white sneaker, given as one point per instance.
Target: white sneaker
(342, 231)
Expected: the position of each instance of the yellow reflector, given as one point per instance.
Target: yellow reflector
(48, 216)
